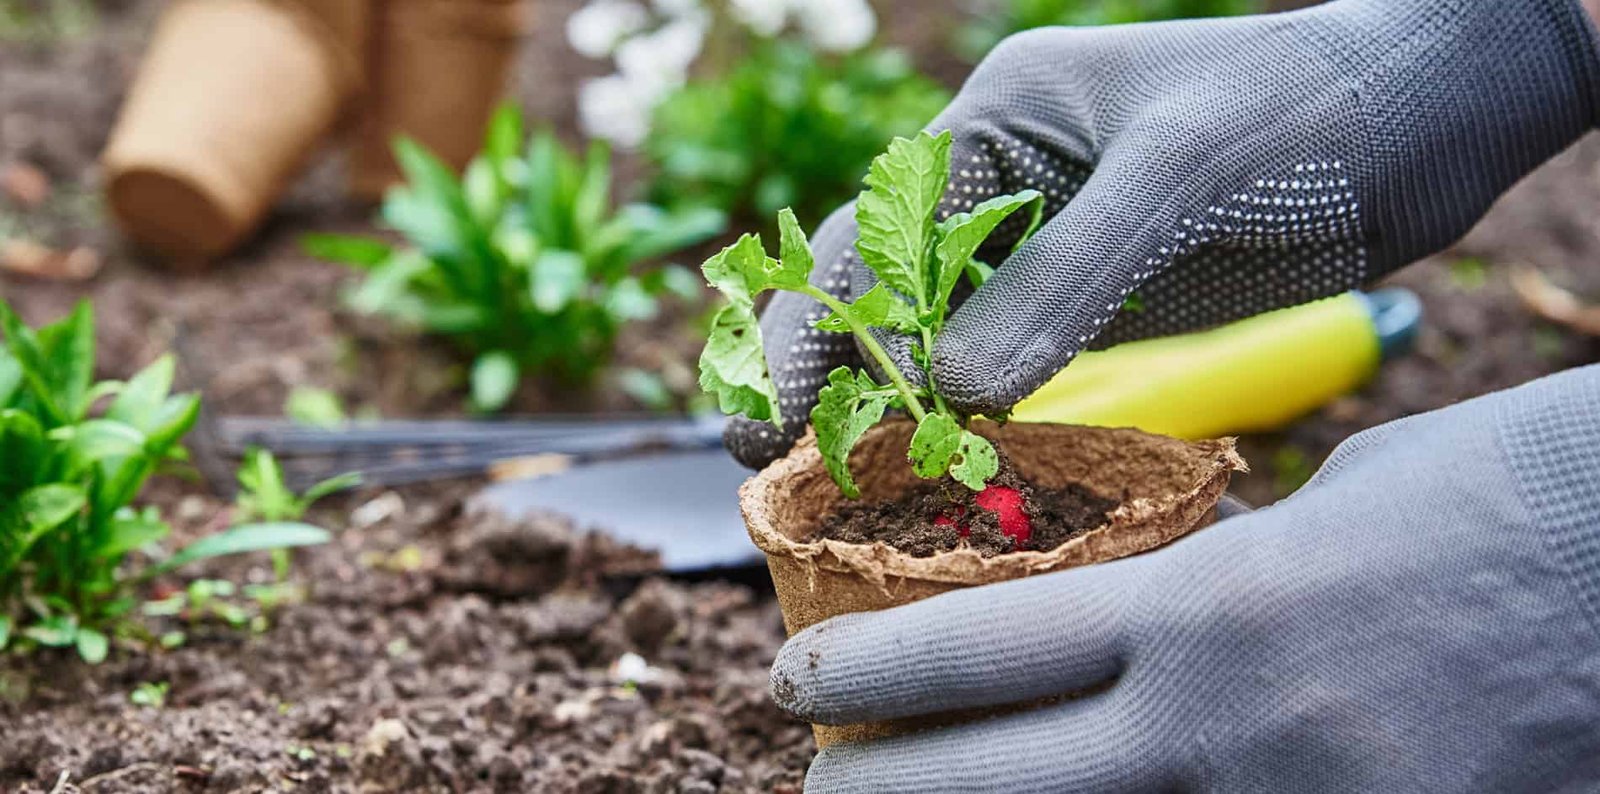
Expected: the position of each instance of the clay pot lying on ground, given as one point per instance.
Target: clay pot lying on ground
(1166, 487)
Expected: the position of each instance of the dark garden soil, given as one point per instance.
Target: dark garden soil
(945, 515)
(439, 651)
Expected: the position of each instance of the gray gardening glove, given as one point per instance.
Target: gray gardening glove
(1217, 168)
(1423, 616)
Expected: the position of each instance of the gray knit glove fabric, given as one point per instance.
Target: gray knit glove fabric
(1217, 169)
(1423, 616)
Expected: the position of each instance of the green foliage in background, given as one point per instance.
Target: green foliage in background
(44, 21)
(785, 127)
(69, 473)
(523, 261)
(1000, 18)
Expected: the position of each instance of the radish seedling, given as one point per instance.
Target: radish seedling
(918, 261)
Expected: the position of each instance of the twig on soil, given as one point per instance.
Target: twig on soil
(115, 774)
(1554, 303)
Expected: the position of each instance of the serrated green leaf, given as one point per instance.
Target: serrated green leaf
(743, 270)
(846, 408)
(361, 252)
(960, 235)
(240, 539)
(895, 214)
(976, 461)
(940, 445)
(494, 380)
(879, 308)
(794, 252)
(733, 365)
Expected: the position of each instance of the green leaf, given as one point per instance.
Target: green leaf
(24, 455)
(361, 252)
(733, 365)
(558, 279)
(37, 373)
(654, 232)
(69, 345)
(93, 647)
(175, 418)
(879, 308)
(494, 380)
(314, 407)
(10, 378)
(56, 631)
(794, 253)
(594, 191)
(960, 236)
(240, 539)
(629, 300)
(940, 445)
(387, 284)
(846, 408)
(328, 487)
(503, 136)
(140, 400)
(132, 530)
(979, 273)
(5, 631)
(101, 439)
(895, 214)
(264, 494)
(743, 270)
(33, 514)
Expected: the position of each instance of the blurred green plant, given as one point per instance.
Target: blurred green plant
(997, 19)
(45, 20)
(523, 261)
(68, 476)
(150, 694)
(785, 127)
(315, 407)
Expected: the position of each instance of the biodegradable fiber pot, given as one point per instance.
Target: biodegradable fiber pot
(231, 98)
(438, 69)
(1168, 488)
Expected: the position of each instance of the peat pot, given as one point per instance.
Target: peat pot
(232, 98)
(1168, 488)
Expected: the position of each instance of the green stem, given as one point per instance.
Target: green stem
(927, 350)
(913, 405)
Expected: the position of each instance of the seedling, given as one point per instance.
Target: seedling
(69, 472)
(918, 261)
(150, 694)
(522, 261)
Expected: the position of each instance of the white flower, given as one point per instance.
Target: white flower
(763, 17)
(678, 8)
(836, 25)
(659, 60)
(631, 668)
(615, 109)
(595, 29)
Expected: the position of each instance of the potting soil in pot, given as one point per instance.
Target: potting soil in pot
(944, 515)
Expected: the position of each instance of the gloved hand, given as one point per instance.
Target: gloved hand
(1218, 168)
(1424, 615)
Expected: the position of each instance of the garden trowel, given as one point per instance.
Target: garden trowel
(666, 484)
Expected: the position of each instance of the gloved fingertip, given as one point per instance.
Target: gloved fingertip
(971, 378)
(756, 444)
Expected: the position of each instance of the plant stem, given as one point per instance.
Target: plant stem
(927, 350)
(913, 405)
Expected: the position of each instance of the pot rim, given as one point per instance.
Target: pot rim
(1136, 525)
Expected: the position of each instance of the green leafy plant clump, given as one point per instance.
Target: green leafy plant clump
(785, 127)
(918, 261)
(69, 474)
(522, 261)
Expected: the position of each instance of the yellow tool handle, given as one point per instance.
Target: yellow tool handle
(1255, 374)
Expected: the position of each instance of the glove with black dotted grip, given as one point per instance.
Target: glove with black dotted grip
(1216, 169)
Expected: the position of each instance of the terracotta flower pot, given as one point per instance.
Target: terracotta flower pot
(1168, 488)
(438, 68)
(232, 97)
